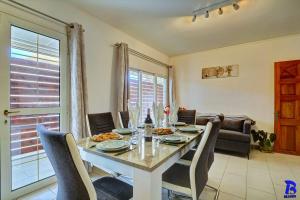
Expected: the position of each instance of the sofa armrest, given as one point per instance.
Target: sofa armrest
(247, 126)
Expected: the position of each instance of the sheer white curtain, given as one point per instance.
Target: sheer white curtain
(171, 86)
(78, 84)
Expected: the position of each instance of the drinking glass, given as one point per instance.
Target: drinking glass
(134, 114)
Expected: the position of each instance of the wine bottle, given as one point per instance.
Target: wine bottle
(148, 126)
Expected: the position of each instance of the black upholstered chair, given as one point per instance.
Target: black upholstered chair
(187, 116)
(100, 123)
(124, 119)
(190, 180)
(190, 154)
(72, 178)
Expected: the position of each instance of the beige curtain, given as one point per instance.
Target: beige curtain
(171, 85)
(78, 84)
(122, 76)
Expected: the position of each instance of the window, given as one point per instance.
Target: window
(146, 88)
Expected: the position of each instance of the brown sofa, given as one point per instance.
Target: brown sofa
(234, 134)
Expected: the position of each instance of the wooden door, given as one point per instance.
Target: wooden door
(287, 107)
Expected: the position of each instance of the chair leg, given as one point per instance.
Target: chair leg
(216, 190)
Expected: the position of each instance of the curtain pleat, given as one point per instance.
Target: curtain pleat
(78, 83)
(171, 86)
(122, 76)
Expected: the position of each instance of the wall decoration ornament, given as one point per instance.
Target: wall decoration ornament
(220, 72)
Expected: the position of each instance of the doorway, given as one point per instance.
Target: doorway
(33, 91)
(287, 107)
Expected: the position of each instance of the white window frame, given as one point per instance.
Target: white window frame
(155, 75)
(30, 23)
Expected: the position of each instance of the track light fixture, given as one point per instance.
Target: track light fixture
(236, 6)
(206, 14)
(215, 5)
(220, 11)
(194, 18)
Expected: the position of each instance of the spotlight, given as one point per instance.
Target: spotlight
(194, 18)
(206, 14)
(236, 6)
(220, 11)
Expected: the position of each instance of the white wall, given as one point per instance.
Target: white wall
(252, 93)
(99, 37)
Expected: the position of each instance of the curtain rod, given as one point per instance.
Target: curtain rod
(41, 13)
(143, 56)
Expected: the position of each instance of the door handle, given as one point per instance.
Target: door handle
(6, 112)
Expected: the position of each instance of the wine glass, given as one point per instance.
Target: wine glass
(134, 113)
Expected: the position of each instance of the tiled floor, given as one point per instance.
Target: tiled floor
(260, 178)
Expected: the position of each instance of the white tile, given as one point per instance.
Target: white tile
(279, 190)
(279, 177)
(261, 177)
(226, 196)
(214, 182)
(234, 184)
(207, 194)
(260, 180)
(216, 173)
(253, 194)
(237, 166)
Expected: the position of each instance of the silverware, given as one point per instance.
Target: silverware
(122, 152)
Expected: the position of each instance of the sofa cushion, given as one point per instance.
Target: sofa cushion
(233, 124)
(233, 136)
(202, 120)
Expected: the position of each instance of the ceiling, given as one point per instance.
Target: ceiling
(166, 24)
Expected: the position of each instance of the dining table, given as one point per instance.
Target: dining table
(144, 163)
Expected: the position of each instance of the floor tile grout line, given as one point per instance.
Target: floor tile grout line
(274, 194)
(269, 172)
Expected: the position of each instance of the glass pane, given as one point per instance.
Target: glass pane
(29, 161)
(133, 87)
(161, 90)
(148, 93)
(34, 70)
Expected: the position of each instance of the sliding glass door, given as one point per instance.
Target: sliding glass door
(33, 91)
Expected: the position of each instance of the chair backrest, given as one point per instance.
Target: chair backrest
(187, 116)
(124, 119)
(72, 178)
(100, 123)
(211, 157)
(199, 165)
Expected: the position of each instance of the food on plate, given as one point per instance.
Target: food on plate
(163, 131)
(106, 136)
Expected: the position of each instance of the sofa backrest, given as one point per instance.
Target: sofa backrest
(231, 122)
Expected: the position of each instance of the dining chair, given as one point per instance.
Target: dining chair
(100, 123)
(187, 116)
(190, 180)
(188, 157)
(72, 178)
(124, 119)
(190, 154)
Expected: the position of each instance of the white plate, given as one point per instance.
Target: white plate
(122, 131)
(174, 138)
(180, 124)
(112, 145)
(188, 129)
